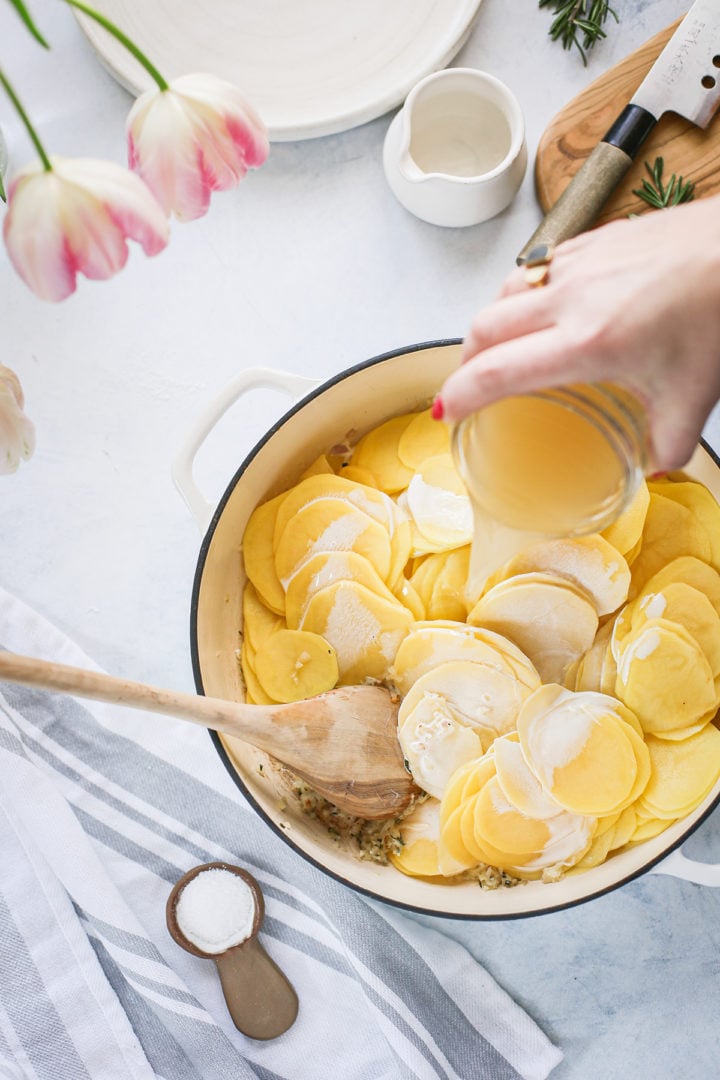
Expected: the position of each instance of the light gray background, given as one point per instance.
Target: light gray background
(310, 266)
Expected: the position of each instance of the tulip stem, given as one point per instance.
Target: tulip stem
(26, 121)
(124, 40)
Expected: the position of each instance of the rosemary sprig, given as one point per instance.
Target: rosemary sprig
(579, 23)
(660, 195)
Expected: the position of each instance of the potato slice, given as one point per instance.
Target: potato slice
(358, 476)
(625, 532)
(439, 506)
(420, 836)
(440, 582)
(452, 851)
(255, 694)
(596, 669)
(664, 677)
(592, 564)
(696, 498)
(327, 525)
(294, 664)
(480, 695)
(670, 530)
(364, 629)
(378, 453)
(596, 853)
(499, 823)
(683, 773)
(547, 618)
(404, 591)
(623, 828)
(259, 621)
(423, 438)
(580, 751)
(448, 599)
(429, 645)
(257, 550)
(436, 740)
(691, 571)
(401, 540)
(519, 783)
(515, 840)
(683, 604)
(465, 782)
(647, 829)
(323, 569)
(372, 502)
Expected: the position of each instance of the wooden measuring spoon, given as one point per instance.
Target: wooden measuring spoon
(259, 997)
(343, 743)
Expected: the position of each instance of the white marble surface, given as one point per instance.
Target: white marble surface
(310, 266)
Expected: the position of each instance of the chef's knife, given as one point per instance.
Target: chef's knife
(685, 79)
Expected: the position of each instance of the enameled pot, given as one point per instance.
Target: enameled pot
(323, 416)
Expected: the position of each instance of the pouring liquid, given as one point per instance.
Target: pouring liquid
(562, 462)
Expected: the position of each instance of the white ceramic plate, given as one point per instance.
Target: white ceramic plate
(310, 67)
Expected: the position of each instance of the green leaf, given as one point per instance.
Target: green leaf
(660, 195)
(3, 196)
(27, 19)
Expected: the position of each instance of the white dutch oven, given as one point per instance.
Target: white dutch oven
(323, 415)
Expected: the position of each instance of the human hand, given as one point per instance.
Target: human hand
(636, 303)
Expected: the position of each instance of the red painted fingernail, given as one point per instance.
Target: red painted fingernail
(657, 475)
(438, 409)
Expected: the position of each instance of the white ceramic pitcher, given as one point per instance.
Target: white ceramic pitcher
(455, 154)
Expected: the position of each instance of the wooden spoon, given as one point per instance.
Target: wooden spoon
(343, 743)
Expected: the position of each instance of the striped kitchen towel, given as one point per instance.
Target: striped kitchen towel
(101, 811)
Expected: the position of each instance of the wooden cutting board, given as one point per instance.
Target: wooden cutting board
(687, 150)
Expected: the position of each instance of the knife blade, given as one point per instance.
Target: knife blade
(685, 79)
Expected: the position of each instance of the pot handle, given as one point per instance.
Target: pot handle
(678, 865)
(255, 378)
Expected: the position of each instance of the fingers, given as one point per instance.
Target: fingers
(507, 319)
(517, 366)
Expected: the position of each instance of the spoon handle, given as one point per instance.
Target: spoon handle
(208, 712)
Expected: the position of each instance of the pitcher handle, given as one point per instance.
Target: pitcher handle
(256, 378)
(678, 865)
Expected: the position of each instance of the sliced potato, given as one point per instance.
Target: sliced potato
(701, 503)
(625, 532)
(592, 564)
(482, 696)
(670, 530)
(546, 617)
(664, 677)
(436, 740)
(377, 452)
(323, 569)
(259, 621)
(364, 629)
(358, 475)
(691, 571)
(327, 525)
(257, 549)
(439, 506)
(294, 664)
(372, 502)
(423, 438)
(683, 773)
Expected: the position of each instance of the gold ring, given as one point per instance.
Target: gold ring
(537, 265)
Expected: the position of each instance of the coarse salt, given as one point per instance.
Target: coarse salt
(216, 910)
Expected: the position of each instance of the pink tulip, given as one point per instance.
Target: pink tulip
(17, 434)
(197, 136)
(76, 218)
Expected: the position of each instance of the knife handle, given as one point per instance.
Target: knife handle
(582, 200)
